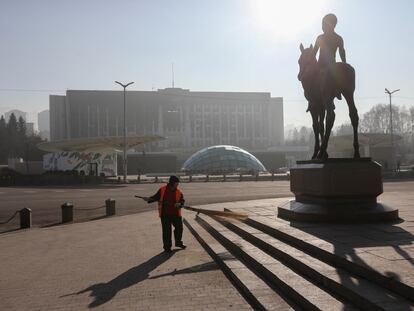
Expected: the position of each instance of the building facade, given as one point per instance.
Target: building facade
(43, 123)
(30, 128)
(189, 120)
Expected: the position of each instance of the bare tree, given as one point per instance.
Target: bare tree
(344, 129)
(377, 120)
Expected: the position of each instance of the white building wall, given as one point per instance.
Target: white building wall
(43, 124)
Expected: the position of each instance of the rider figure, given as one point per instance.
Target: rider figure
(328, 43)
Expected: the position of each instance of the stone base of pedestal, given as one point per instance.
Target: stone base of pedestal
(344, 213)
(336, 190)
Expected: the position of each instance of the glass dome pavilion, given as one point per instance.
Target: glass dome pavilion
(222, 159)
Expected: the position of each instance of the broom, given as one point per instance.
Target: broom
(238, 216)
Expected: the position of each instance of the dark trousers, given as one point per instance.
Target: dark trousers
(166, 222)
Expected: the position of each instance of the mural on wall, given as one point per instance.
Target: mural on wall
(81, 161)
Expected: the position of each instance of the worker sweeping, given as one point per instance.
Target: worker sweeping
(170, 202)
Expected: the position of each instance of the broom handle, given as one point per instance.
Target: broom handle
(199, 210)
(185, 206)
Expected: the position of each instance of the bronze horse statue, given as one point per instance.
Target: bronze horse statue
(321, 86)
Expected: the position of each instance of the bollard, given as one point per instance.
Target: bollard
(25, 218)
(139, 178)
(207, 177)
(67, 212)
(241, 177)
(224, 177)
(110, 207)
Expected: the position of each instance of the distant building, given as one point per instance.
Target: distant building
(378, 146)
(29, 128)
(17, 114)
(189, 120)
(43, 122)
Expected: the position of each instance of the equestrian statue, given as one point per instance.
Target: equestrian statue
(323, 80)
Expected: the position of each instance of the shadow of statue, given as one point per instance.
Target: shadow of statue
(363, 236)
(404, 254)
(104, 292)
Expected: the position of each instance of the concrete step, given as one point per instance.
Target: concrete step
(398, 289)
(281, 278)
(354, 289)
(259, 295)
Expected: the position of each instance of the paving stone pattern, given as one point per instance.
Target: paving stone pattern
(109, 264)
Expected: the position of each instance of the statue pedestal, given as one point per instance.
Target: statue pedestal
(336, 190)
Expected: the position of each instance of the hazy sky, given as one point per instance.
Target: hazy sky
(48, 46)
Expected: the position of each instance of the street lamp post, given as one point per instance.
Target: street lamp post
(125, 132)
(391, 131)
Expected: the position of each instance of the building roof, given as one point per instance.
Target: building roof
(113, 143)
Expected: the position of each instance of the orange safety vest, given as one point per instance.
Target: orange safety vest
(177, 199)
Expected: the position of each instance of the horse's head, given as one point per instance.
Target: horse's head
(307, 60)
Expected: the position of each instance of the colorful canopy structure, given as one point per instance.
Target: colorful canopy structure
(96, 144)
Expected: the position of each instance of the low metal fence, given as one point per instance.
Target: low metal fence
(67, 210)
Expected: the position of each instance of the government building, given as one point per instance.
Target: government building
(188, 120)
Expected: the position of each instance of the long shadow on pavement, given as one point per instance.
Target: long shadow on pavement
(104, 292)
(209, 266)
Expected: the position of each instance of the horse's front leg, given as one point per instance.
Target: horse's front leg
(353, 114)
(322, 122)
(316, 132)
(330, 119)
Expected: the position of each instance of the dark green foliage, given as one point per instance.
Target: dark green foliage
(3, 139)
(14, 143)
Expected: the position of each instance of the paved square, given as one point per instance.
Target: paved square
(109, 264)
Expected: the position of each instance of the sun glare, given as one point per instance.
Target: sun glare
(285, 19)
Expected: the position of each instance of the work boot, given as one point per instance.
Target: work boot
(181, 245)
